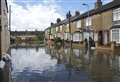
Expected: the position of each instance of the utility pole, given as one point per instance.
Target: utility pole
(88, 28)
(69, 19)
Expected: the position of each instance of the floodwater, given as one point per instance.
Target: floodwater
(49, 64)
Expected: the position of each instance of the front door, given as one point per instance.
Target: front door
(100, 37)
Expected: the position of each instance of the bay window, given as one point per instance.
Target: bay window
(77, 37)
(66, 36)
(116, 14)
(115, 33)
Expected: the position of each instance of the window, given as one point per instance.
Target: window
(116, 35)
(77, 37)
(78, 24)
(60, 28)
(67, 36)
(56, 29)
(88, 21)
(67, 28)
(51, 30)
(116, 14)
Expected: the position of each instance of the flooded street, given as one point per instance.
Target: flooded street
(48, 64)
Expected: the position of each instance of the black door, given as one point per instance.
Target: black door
(100, 37)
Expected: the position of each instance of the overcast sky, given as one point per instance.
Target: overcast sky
(38, 14)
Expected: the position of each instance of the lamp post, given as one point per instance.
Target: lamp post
(69, 20)
(69, 16)
(84, 4)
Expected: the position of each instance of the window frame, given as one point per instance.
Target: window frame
(88, 21)
(115, 35)
(78, 24)
(116, 14)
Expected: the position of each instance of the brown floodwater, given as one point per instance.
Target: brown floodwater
(49, 64)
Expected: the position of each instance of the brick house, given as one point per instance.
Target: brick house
(102, 25)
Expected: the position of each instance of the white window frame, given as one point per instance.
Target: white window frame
(61, 28)
(115, 36)
(88, 21)
(67, 25)
(66, 36)
(116, 14)
(56, 29)
(51, 30)
(77, 37)
(78, 24)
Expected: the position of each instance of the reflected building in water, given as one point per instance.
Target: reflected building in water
(98, 66)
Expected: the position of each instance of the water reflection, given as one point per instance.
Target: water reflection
(5, 75)
(52, 64)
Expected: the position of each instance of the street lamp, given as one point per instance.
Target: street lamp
(84, 4)
(69, 19)
(69, 16)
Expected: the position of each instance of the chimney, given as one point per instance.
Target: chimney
(68, 15)
(52, 23)
(77, 13)
(98, 4)
(58, 20)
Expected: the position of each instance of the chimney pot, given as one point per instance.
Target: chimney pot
(58, 20)
(52, 23)
(77, 13)
(98, 4)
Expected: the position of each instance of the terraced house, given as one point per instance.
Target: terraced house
(102, 24)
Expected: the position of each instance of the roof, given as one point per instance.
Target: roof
(106, 7)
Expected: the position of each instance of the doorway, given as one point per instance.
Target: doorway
(100, 37)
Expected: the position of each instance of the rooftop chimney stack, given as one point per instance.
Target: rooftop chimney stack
(58, 20)
(77, 13)
(98, 4)
(68, 15)
(52, 23)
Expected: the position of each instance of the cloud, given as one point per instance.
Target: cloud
(35, 16)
